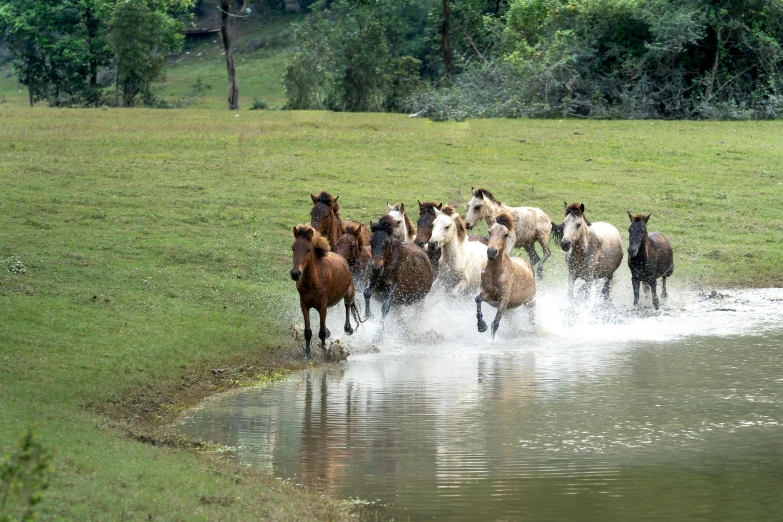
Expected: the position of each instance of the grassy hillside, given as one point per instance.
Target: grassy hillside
(157, 245)
(263, 45)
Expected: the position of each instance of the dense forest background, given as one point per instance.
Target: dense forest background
(443, 59)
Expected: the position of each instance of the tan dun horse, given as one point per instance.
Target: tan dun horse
(323, 279)
(532, 225)
(404, 230)
(325, 218)
(592, 250)
(649, 257)
(506, 282)
(401, 272)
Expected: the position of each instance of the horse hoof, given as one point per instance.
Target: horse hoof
(482, 326)
(328, 334)
(349, 331)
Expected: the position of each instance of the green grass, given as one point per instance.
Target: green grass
(156, 246)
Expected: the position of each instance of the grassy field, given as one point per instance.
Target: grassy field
(156, 248)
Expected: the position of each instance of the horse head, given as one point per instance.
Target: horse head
(325, 209)
(381, 243)
(481, 206)
(349, 243)
(397, 212)
(637, 232)
(426, 219)
(446, 228)
(501, 236)
(307, 243)
(574, 226)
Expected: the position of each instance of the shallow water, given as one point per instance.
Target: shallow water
(592, 413)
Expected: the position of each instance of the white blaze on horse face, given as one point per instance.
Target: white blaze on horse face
(574, 230)
(478, 209)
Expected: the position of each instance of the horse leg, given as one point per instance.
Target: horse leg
(663, 293)
(323, 332)
(384, 312)
(571, 280)
(482, 326)
(540, 269)
(367, 295)
(653, 287)
(307, 331)
(348, 303)
(496, 322)
(531, 251)
(635, 282)
(607, 286)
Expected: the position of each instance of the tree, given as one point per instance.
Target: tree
(141, 32)
(233, 87)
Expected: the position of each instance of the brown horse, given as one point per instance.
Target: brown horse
(506, 282)
(325, 218)
(401, 272)
(323, 279)
(649, 257)
(424, 230)
(353, 248)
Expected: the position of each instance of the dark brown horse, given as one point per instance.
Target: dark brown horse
(323, 279)
(401, 272)
(424, 230)
(356, 251)
(325, 218)
(649, 257)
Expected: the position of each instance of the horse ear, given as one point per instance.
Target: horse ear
(440, 206)
(479, 194)
(310, 232)
(336, 198)
(420, 205)
(437, 211)
(402, 208)
(294, 231)
(565, 204)
(582, 208)
(472, 191)
(389, 208)
(630, 216)
(646, 219)
(314, 198)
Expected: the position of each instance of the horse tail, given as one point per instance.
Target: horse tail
(355, 314)
(557, 231)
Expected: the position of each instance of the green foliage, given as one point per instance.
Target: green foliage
(259, 105)
(141, 32)
(23, 479)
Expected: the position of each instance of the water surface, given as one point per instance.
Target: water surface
(593, 414)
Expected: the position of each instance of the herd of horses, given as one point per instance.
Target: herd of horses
(399, 263)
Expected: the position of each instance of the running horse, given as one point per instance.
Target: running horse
(400, 273)
(507, 282)
(531, 224)
(649, 257)
(592, 250)
(323, 279)
(404, 230)
(461, 260)
(325, 219)
(353, 248)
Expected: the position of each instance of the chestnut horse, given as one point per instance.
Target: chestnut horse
(532, 225)
(592, 250)
(323, 279)
(649, 257)
(325, 219)
(506, 282)
(401, 272)
(404, 231)
(353, 248)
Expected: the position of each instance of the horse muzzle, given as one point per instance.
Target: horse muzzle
(377, 270)
(420, 244)
(492, 253)
(295, 274)
(432, 245)
(565, 245)
(469, 226)
(633, 251)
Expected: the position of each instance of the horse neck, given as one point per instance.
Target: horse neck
(496, 207)
(644, 247)
(497, 267)
(311, 271)
(335, 229)
(453, 253)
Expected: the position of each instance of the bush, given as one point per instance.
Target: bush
(23, 479)
(259, 105)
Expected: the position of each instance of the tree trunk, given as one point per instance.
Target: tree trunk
(714, 74)
(445, 38)
(30, 93)
(233, 88)
(117, 83)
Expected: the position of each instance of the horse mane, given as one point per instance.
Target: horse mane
(409, 225)
(428, 207)
(462, 231)
(505, 219)
(320, 243)
(484, 193)
(329, 200)
(356, 232)
(576, 210)
(449, 210)
(385, 224)
(639, 217)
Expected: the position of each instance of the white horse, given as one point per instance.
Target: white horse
(404, 229)
(531, 224)
(461, 260)
(592, 250)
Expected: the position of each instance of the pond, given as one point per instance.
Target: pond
(593, 413)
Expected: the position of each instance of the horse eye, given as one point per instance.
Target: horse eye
(477, 207)
(309, 250)
(578, 225)
(448, 226)
(506, 235)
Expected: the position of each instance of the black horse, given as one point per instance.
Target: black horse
(649, 257)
